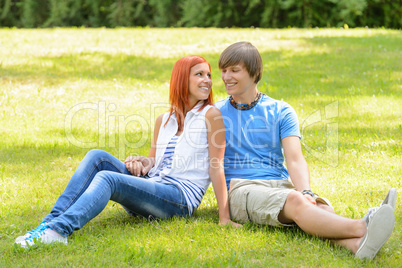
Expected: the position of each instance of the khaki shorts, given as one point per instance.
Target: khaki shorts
(259, 201)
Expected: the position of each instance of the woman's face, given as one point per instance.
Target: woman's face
(200, 83)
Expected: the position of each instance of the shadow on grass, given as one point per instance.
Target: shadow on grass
(338, 71)
(94, 66)
(31, 153)
(56, 145)
(334, 66)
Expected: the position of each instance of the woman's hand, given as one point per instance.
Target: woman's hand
(139, 165)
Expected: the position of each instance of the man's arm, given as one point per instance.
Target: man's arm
(296, 164)
(298, 169)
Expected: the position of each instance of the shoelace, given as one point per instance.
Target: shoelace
(37, 228)
(370, 214)
(38, 233)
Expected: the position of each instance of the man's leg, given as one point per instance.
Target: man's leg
(326, 207)
(316, 221)
(345, 232)
(277, 203)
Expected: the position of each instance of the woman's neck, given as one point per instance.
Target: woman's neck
(190, 107)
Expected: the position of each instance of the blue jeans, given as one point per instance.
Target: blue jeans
(101, 177)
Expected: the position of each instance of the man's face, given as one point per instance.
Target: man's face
(237, 80)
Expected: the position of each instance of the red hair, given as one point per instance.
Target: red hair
(179, 87)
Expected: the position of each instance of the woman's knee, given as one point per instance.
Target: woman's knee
(96, 156)
(95, 153)
(104, 175)
(104, 179)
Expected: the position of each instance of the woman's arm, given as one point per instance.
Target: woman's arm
(158, 124)
(216, 149)
(141, 165)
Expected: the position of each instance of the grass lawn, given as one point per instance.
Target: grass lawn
(64, 91)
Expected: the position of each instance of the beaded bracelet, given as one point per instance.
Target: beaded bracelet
(317, 198)
(308, 192)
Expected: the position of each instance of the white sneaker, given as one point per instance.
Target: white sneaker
(390, 199)
(21, 238)
(380, 222)
(43, 234)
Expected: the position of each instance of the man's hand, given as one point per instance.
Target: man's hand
(310, 199)
(139, 165)
(229, 222)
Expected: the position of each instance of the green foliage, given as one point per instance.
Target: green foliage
(29, 7)
(206, 13)
(386, 13)
(59, 13)
(165, 13)
(129, 13)
(8, 14)
(201, 13)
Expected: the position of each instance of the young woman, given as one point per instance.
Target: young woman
(186, 155)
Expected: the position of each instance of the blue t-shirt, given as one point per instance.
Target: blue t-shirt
(253, 139)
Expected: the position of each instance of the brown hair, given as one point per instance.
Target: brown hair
(243, 53)
(179, 87)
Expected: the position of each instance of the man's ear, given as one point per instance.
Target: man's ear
(255, 78)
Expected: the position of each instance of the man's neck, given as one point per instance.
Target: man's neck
(246, 97)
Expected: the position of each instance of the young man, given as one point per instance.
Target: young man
(262, 189)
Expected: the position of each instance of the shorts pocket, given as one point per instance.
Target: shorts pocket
(238, 204)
